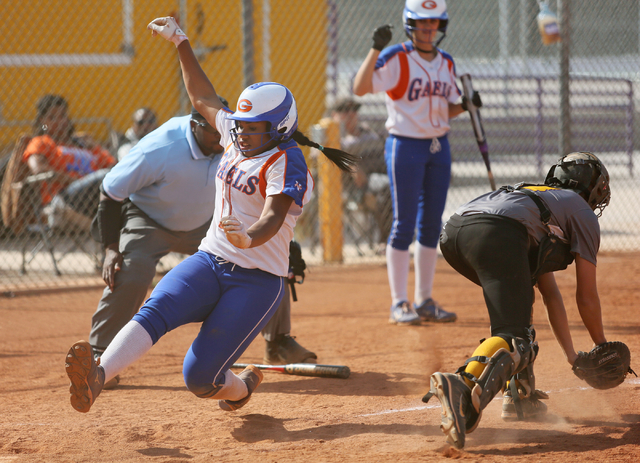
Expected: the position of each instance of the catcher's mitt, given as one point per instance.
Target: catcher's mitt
(297, 265)
(605, 366)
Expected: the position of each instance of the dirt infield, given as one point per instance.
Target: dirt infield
(375, 415)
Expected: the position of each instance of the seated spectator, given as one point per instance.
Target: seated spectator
(77, 162)
(369, 185)
(144, 122)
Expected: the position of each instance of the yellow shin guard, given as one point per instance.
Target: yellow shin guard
(486, 349)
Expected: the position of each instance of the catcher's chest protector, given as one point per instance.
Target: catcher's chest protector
(553, 253)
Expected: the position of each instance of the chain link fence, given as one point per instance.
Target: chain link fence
(539, 100)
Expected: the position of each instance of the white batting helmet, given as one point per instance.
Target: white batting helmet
(425, 9)
(271, 102)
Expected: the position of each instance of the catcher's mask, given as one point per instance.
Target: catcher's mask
(584, 173)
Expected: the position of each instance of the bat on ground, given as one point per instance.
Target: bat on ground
(476, 122)
(304, 369)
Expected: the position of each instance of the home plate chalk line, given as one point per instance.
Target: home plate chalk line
(437, 404)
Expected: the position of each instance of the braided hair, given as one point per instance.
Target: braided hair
(343, 160)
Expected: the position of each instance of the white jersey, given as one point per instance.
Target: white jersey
(242, 185)
(418, 92)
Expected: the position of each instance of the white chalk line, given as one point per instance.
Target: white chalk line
(437, 405)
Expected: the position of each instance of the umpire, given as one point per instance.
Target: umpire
(506, 241)
(160, 199)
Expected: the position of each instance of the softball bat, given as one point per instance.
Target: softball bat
(478, 129)
(304, 369)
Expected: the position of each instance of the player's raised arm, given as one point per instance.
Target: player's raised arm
(201, 92)
(363, 81)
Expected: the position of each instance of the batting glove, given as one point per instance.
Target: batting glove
(382, 36)
(168, 28)
(475, 99)
(235, 232)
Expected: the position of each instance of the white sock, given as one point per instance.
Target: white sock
(131, 343)
(233, 388)
(425, 266)
(398, 272)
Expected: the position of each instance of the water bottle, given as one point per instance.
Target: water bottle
(548, 24)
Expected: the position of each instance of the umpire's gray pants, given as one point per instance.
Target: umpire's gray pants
(280, 322)
(143, 242)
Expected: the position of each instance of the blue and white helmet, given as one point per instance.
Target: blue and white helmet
(425, 9)
(271, 102)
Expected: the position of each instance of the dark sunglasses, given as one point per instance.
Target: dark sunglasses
(205, 126)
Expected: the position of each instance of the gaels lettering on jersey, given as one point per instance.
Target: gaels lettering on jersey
(416, 90)
(234, 178)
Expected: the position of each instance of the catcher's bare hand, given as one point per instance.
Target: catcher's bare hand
(605, 366)
(235, 232)
(168, 29)
(112, 264)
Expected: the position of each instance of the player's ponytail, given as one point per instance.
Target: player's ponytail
(343, 160)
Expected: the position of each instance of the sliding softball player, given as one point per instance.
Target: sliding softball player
(234, 283)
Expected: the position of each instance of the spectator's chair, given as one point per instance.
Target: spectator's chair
(21, 205)
(28, 220)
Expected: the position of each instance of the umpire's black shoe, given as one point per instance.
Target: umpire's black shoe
(455, 398)
(285, 349)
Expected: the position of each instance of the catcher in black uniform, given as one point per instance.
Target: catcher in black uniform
(509, 241)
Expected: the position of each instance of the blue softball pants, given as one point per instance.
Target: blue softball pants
(419, 181)
(232, 303)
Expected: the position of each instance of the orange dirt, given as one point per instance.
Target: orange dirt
(375, 415)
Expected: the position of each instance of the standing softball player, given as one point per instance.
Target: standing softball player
(419, 80)
(235, 282)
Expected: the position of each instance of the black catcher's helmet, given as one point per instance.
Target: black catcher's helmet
(584, 173)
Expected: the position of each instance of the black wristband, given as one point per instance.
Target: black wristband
(109, 221)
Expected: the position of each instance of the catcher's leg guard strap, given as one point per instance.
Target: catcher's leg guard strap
(499, 368)
(525, 379)
(481, 356)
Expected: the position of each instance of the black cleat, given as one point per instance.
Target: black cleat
(531, 408)
(455, 398)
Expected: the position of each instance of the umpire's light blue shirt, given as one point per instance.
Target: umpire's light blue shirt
(167, 176)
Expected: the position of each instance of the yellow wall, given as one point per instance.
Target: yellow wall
(153, 76)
